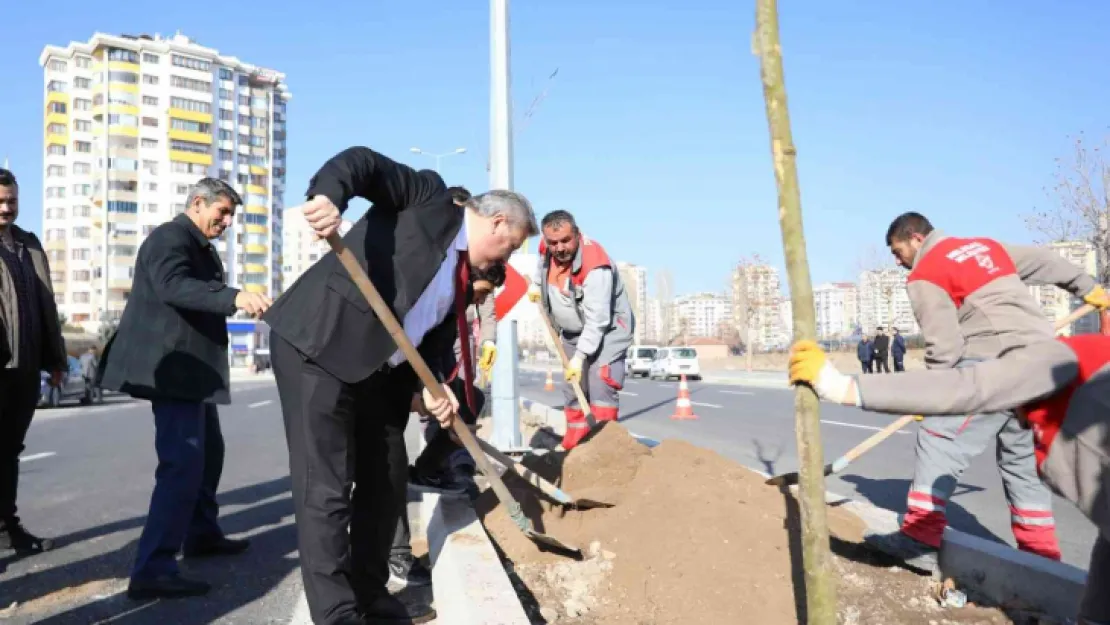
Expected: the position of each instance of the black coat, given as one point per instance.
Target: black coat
(172, 339)
(881, 345)
(401, 241)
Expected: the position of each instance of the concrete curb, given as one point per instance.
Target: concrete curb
(470, 584)
(997, 572)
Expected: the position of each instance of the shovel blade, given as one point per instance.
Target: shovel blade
(589, 504)
(790, 479)
(551, 541)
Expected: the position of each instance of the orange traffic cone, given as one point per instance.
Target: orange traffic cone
(549, 384)
(684, 410)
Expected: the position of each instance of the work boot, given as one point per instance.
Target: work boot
(14, 536)
(910, 550)
(406, 570)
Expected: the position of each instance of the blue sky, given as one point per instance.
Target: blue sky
(653, 133)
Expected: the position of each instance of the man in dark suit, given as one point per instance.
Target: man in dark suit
(898, 351)
(346, 390)
(171, 348)
(881, 346)
(30, 341)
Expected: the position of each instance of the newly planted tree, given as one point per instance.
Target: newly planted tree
(816, 557)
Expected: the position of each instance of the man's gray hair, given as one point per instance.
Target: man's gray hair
(515, 207)
(211, 189)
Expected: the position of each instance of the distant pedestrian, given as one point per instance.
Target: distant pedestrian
(865, 353)
(881, 351)
(30, 342)
(898, 351)
(89, 364)
(171, 348)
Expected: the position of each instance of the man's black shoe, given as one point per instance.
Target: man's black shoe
(387, 609)
(438, 483)
(405, 570)
(166, 587)
(222, 546)
(14, 536)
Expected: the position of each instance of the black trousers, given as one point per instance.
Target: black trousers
(865, 365)
(899, 362)
(19, 395)
(339, 434)
(881, 364)
(435, 454)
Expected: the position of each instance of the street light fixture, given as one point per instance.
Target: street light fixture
(438, 157)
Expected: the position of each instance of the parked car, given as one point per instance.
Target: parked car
(640, 358)
(72, 386)
(672, 362)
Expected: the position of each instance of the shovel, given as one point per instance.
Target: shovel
(543, 485)
(838, 465)
(583, 403)
(389, 320)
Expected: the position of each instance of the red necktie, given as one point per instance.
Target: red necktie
(461, 286)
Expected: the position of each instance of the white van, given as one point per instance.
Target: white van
(673, 362)
(640, 358)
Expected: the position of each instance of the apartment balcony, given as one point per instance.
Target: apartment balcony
(258, 170)
(57, 244)
(193, 137)
(190, 157)
(255, 248)
(254, 288)
(120, 284)
(253, 188)
(192, 116)
(256, 209)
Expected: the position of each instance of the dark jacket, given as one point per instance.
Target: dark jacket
(172, 339)
(863, 351)
(53, 356)
(402, 241)
(881, 345)
(898, 349)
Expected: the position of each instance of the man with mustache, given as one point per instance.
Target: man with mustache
(171, 348)
(346, 390)
(30, 341)
(580, 290)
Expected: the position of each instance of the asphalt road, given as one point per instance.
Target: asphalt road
(755, 427)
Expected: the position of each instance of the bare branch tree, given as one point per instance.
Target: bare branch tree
(1080, 209)
(748, 303)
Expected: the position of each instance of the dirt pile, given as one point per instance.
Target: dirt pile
(695, 538)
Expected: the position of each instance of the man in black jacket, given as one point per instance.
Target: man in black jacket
(171, 348)
(881, 345)
(345, 388)
(898, 351)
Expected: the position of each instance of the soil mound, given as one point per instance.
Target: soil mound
(694, 538)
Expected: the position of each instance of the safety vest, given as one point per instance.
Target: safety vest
(962, 266)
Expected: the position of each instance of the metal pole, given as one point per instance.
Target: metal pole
(506, 407)
(501, 108)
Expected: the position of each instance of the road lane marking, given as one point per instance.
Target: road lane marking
(856, 425)
(705, 405)
(38, 456)
(738, 393)
(259, 404)
(628, 393)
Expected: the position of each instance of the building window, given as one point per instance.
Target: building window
(149, 100)
(191, 105)
(56, 129)
(57, 86)
(123, 185)
(190, 126)
(150, 208)
(258, 180)
(80, 297)
(226, 135)
(84, 147)
(150, 122)
(179, 167)
(150, 58)
(181, 189)
(123, 164)
(81, 83)
(119, 206)
(244, 99)
(56, 150)
(81, 232)
(82, 104)
(258, 220)
(128, 56)
(56, 171)
(83, 62)
(81, 275)
(56, 213)
(57, 66)
(259, 122)
(55, 192)
(148, 143)
(150, 167)
(226, 74)
(82, 125)
(149, 186)
(178, 209)
(244, 80)
(56, 234)
(57, 107)
(147, 230)
(227, 155)
(124, 251)
(191, 84)
(225, 94)
(82, 190)
(80, 254)
(226, 115)
(117, 119)
(245, 120)
(253, 199)
(130, 78)
(189, 146)
(149, 79)
(80, 211)
(191, 63)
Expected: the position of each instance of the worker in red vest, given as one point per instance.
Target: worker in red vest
(1060, 390)
(971, 298)
(583, 296)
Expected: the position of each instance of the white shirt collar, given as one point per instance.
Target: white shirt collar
(461, 242)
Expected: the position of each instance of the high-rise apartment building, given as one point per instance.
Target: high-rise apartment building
(703, 315)
(300, 247)
(1058, 303)
(837, 313)
(634, 278)
(131, 123)
(757, 305)
(883, 301)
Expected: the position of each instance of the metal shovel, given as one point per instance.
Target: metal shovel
(389, 320)
(547, 488)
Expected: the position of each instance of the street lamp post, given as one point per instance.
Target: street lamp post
(438, 157)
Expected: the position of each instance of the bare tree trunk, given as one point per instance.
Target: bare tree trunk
(751, 345)
(816, 557)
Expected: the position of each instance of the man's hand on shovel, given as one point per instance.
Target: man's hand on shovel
(444, 409)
